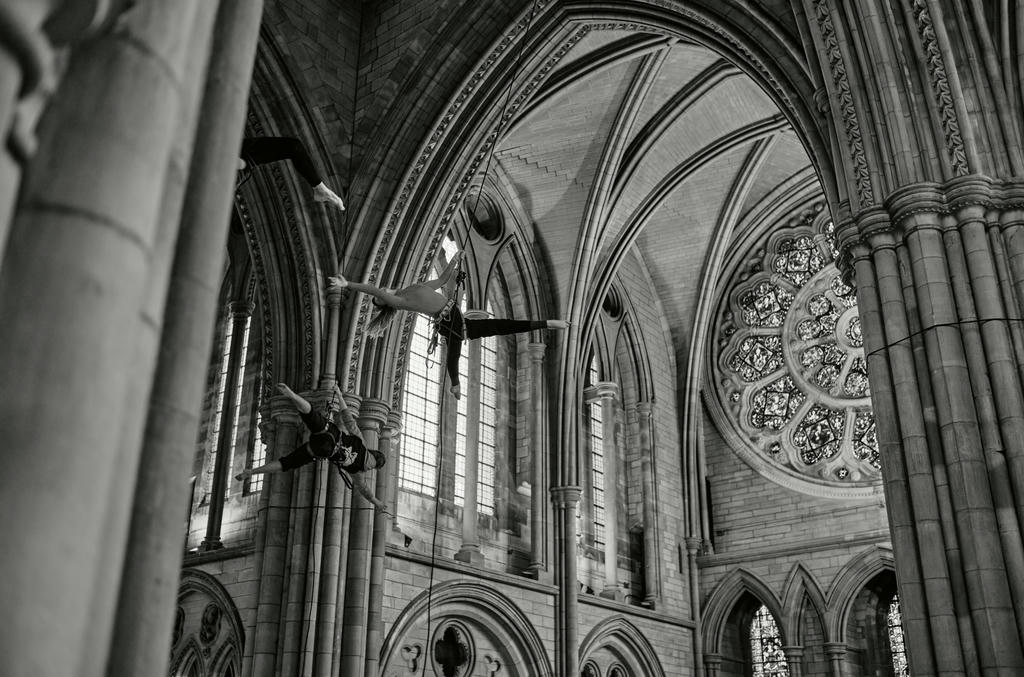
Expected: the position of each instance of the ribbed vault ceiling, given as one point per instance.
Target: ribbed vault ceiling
(642, 140)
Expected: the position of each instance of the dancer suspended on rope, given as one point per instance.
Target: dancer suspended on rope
(260, 150)
(451, 327)
(345, 449)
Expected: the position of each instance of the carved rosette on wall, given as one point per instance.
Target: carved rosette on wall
(790, 372)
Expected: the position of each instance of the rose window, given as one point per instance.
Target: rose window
(792, 375)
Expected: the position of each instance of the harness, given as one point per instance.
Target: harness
(445, 315)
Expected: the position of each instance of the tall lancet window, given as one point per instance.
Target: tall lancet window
(767, 656)
(597, 460)
(418, 466)
(894, 618)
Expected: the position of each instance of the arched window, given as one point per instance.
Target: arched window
(894, 622)
(597, 459)
(417, 467)
(766, 655)
(488, 420)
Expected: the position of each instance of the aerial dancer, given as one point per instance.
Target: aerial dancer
(260, 150)
(344, 449)
(444, 312)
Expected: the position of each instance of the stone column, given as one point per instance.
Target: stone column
(835, 652)
(240, 311)
(29, 31)
(181, 306)
(329, 378)
(712, 663)
(565, 500)
(469, 552)
(381, 529)
(652, 560)
(538, 460)
(273, 533)
(693, 544)
(373, 415)
(794, 659)
(74, 275)
(936, 291)
(605, 391)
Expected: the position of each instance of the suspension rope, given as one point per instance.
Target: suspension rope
(460, 281)
(501, 118)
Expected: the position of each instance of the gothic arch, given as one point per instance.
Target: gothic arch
(725, 596)
(221, 637)
(624, 640)
(800, 591)
(482, 610)
(291, 244)
(436, 182)
(848, 584)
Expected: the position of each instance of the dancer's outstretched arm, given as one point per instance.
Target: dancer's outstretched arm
(386, 297)
(349, 421)
(446, 274)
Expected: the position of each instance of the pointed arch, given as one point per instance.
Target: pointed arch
(725, 596)
(848, 584)
(188, 660)
(626, 641)
(482, 609)
(801, 589)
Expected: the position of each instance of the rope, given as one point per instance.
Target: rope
(460, 283)
(501, 119)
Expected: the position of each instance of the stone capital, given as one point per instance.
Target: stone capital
(567, 496)
(693, 545)
(601, 390)
(537, 351)
(282, 411)
(835, 649)
(475, 314)
(793, 653)
(644, 410)
(240, 309)
(713, 660)
(373, 413)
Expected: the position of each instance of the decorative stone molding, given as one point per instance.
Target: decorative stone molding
(566, 497)
(837, 67)
(940, 87)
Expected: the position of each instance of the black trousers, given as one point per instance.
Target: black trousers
(455, 328)
(260, 150)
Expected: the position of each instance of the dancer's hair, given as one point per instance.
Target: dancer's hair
(382, 317)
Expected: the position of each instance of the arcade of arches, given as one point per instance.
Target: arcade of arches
(783, 434)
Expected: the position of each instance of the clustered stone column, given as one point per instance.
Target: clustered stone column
(353, 659)
(382, 525)
(469, 552)
(939, 273)
(272, 540)
(565, 500)
(652, 572)
(835, 652)
(96, 238)
(538, 459)
(794, 659)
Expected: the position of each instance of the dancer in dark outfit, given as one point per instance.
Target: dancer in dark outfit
(344, 449)
(261, 150)
(425, 298)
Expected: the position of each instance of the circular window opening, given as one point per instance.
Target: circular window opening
(612, 304)
(484, 216)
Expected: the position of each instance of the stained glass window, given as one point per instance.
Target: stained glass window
(899, 651)
(766, 653)
(793, 376)
(420, 401)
